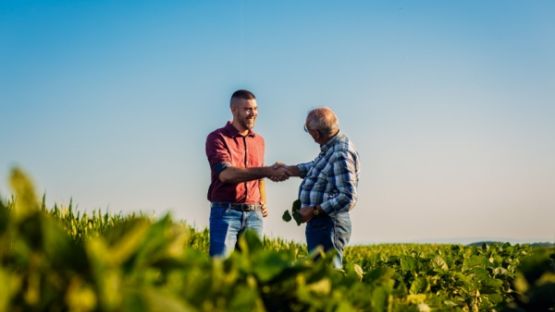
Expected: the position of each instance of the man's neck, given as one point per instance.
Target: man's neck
(242, 131)
(329, 138)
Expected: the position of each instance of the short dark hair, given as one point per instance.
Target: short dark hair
(242, 94)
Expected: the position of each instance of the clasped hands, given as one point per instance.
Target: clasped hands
(279, 172)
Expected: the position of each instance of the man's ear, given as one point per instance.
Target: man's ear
(317, 134)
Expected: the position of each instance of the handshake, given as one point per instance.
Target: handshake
(280, 172)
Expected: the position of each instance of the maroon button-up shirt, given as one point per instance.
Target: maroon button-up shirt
(225, 147)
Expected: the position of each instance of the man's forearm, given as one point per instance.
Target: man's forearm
(341, 203)
(236, 175)
(293, 171)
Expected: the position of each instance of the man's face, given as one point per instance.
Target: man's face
(245, 112)
(313, 133)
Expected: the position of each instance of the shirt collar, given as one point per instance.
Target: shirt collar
(326, 146)
(232, 132)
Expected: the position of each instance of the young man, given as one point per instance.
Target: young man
(329, 188)
(236, 157)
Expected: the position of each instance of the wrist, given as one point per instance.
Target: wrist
(316, 210)
(266, 172)
(293, 170)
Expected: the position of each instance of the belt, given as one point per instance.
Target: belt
(240, 207)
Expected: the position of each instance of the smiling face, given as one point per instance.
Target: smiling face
(244, 113)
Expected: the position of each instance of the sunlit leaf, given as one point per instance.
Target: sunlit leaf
(25, 198)
(322, 287)
(438, 262)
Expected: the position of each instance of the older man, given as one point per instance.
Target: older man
(329, 187)
(236, 157)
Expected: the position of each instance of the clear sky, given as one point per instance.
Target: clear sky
(450, 103)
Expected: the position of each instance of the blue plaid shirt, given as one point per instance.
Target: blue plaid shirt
(331, 179)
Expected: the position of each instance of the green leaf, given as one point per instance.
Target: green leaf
(25, 199)
(359, 271)
(249, 242)
(80, 297)
(296, 209)
(285, 217)
(439, 263)
(10, 283)
(160, 301)
(63, 252)
(246, 299)
(128, 244)
(379, 299)
(4, 217)
(270, 264)
(475, 261)
(408, 264)
(322, 287)
(418, 286)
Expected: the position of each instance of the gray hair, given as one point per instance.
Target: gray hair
(324, 120)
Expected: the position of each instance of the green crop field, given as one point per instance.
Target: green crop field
(58, 259)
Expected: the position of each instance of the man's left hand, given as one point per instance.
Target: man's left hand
(307, 213)
(265, 211)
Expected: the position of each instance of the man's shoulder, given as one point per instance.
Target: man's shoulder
(257, 136)
(218, 133)
(344, 147)
(343, 143)
(215, 138)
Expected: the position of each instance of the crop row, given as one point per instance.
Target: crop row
(57, 259)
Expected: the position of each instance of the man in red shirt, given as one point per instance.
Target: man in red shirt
(236, 157)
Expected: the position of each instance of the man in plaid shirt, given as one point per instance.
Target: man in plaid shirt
(329, 188)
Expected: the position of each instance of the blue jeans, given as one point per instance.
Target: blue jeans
(330, 232)
(225, 226)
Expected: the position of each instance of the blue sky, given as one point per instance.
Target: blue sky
(449, 103)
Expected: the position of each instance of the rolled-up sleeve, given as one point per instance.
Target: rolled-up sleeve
(344, 180)
(217, 153)
(304, 168)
